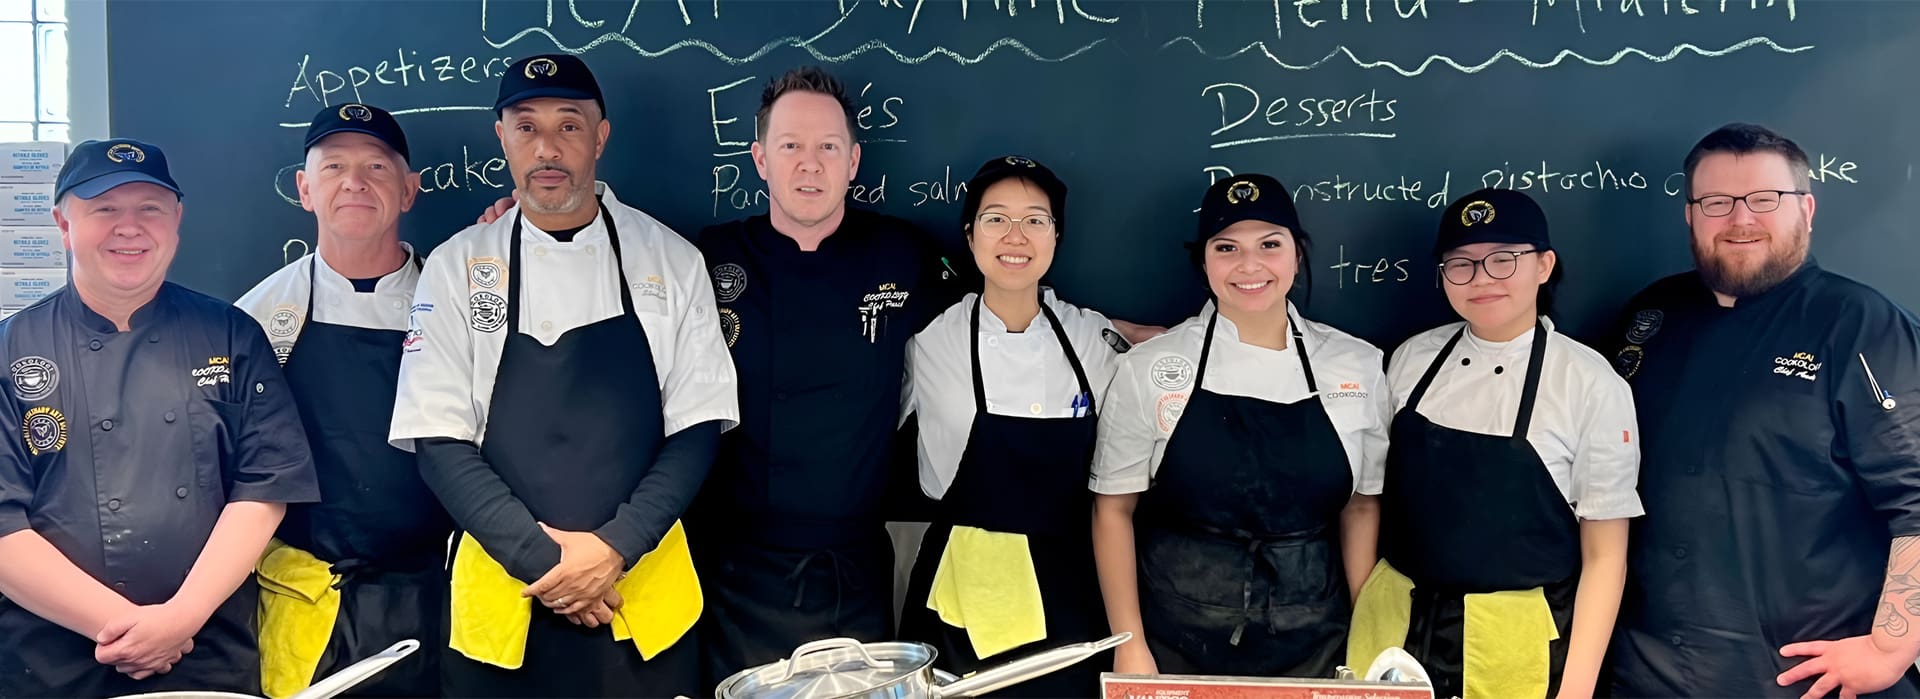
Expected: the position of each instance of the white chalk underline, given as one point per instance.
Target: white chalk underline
(398, 112)
(1289, 137)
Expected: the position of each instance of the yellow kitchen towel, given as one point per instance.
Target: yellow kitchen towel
(986, 584)
(1380, 616)
(1505, 645)
(298, 607)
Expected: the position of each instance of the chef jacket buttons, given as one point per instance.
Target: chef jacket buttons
(592, 249)
(153, 338)
(259, 388)
(180, 492)
(106, 425)
(1676, 639)
(1464, 361)
(1679, 552)
(120, 585)
(542, 252)
(114, 504)
(1499, 370)
(993, 342)
(398, 304)
(546, 325)
(1035, 408)
(168, 417)
(94, 345)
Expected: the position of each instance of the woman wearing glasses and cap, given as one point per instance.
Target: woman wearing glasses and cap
(1004, 384)
(1239, 452)
(1510, 480)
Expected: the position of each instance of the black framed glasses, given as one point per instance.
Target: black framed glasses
(1460, 271)
(1759, 202)
(994, 224)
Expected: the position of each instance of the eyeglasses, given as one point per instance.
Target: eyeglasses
(1760, 202)
(995, 225)
(1460, 271)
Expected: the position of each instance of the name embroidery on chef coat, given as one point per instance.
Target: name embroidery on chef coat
(653, 286)
(888, 296)
(1802, 365)
(45, 430)
(1349, 389)
(217, 371)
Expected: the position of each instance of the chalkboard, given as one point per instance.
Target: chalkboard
(1376, 112)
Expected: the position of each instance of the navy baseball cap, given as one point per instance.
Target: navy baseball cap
(93, 167)
(552, 75)
(1016, 166)
(1246, 198)
(354, 117)
(1492, 216)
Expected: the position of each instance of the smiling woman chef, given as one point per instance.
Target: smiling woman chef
(1235, 448)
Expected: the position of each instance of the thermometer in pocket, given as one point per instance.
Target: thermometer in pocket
(1886, 399)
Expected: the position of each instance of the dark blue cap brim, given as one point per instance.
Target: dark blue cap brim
(99, 185)
(354, 129)
(539, 92)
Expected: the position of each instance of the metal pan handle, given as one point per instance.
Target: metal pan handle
(1028, 668)
(358, 672)
(822, 646)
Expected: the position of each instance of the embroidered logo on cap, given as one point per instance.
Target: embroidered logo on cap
(126, 152)
(1242, 191)
(45, 430)
(542, 68)
(1020, 161)
(1477, 211)
(356, 112)
(34, 378)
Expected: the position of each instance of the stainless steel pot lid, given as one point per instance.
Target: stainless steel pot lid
(835, 667)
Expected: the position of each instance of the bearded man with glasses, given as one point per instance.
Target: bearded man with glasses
(1781, 460)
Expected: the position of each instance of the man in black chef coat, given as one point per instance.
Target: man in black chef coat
(1781, 465)
(153, 449)
(817, 301)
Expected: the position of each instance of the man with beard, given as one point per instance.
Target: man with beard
(1780, 554)
(565, 386)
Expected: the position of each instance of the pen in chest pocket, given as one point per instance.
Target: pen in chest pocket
(1885, 398)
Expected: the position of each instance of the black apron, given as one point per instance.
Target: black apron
(1028, 476)
(572, 428)
(768, 590)
(377, 524)
(1474, 513)
(1239, 556)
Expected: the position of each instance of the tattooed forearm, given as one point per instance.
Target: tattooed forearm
(1900, 599)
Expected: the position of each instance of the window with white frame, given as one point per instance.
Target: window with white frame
(33, 102)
